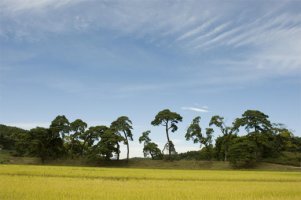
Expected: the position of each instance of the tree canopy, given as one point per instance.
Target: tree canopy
(123, 126)
(169, 120)
(251, 138)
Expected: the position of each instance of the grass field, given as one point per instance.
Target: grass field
(56, 182)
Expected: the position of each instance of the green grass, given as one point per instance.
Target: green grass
(4, 156)
(57, 182)
(287, 158)
(7, 158)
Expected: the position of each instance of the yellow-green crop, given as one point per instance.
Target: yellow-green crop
(51, 182)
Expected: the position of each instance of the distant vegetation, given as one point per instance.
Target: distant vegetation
(250, 139)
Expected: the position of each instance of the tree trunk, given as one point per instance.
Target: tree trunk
(152, 156)
(128, 151)
(71, 149)
(107, 157)
(118, 147)
(82, 151)
(168, 141)
(128, 146)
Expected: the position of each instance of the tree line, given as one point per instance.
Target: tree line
(248, 140)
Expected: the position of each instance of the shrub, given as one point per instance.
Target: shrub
(242, 154)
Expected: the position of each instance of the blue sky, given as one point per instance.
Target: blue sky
(97, 60)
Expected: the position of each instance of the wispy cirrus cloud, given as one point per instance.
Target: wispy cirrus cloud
(93, 53)
(33, 5)
(203, 109)
(265, 40)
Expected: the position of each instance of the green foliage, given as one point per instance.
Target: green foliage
(45, 143)
(123, 126)
(191, 155)
(77, 131)
(77, 128)
(194, 131)
(223, 142)
(242, 153)
(263, 141)
(8, 136)
(150, 148)
(203, 154)
(60, 126)
(89, 137)
(169, 120)
(207, 141)
(260, 131)
(286, 158)
(296, 144)
(145, 137)
(22, 141)
(253, 120)
(108, 144)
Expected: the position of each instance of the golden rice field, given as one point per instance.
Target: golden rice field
(55, 182)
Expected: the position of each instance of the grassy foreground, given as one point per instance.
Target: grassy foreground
(56, 182)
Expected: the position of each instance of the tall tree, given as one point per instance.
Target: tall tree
(109, 143)
(207, 141)
(227, 132)
(77, 128)
(149, 147)
(91, 136)
(123, 126)
(259, 130)
(60, 125)
(169, 120)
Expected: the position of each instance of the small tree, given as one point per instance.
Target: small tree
(169, 120)
(149, 148)
(194, 132)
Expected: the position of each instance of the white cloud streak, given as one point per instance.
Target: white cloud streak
(15, 6)
(196, 109)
